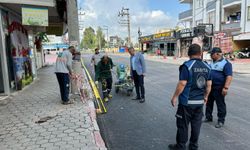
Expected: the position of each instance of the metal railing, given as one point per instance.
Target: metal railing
(232, 25)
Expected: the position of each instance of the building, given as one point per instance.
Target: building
(165, 42)
(114, 41)
(230, 19)
(23, 24)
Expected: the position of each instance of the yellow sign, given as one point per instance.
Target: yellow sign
(160, 35)
(35, 16)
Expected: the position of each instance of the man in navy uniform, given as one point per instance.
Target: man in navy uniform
(192, 89)
(221, 77)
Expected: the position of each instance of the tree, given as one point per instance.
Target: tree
(100, 38)
(89, 38)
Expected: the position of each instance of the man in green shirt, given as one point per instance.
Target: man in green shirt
(104, 74)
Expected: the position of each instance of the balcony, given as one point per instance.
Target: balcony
(231, 26)
(211, 5)
(186, 1)
(231, 2)
(186, 15)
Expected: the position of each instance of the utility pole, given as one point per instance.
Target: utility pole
(122, 13)
(139, 38)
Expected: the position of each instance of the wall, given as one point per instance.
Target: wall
(247, 29)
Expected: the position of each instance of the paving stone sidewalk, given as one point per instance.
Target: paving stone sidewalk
(69, 127)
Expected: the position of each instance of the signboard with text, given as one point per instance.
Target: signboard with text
(35, 16)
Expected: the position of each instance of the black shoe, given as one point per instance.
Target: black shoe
(219, 125)
(208, 120)
(142, 100)
(136, 98)
(172, 147)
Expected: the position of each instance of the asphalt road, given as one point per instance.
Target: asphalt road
(129, 125)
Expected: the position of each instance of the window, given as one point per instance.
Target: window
(248, 13)
(211, 17)
(199, 3)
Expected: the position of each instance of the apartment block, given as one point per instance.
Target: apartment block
(230, 18)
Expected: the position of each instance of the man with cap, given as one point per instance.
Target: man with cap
(221, 79)
(192, 91)
(96, 58)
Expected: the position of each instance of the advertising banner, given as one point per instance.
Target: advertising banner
(35, 16)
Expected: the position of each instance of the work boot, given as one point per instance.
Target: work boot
(106, 99)
(142, 100)
(110, 96)
(172, 147)
(208, 120)
(219, 125)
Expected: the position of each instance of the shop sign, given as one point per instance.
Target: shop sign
(162, 35)
(146, 38)
(35, 16)
(186, 33)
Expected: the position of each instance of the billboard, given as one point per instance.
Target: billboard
(32, 16)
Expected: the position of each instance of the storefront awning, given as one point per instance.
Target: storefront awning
(241, 37)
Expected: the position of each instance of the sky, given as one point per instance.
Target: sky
(148, 15)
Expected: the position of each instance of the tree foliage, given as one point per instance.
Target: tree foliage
(100, 38)
(89, 38)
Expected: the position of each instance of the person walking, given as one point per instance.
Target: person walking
(63, 70)
(104, 75)
(221, 79)
(137, 72)
(192, 89)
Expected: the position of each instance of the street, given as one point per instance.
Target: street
(129, 125)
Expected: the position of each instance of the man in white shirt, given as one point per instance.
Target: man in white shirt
(63, 70)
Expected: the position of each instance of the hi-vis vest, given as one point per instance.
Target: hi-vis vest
(193, 93)
(219, 65)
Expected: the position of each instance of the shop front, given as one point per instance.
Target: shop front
(185, 37)
(147, 43)
(165, 43)
(16, 64)
(241, 42)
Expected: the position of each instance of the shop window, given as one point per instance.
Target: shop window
(161, 46)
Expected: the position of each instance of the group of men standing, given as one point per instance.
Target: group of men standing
(200, 83)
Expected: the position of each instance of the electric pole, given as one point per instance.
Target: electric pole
(126, 22)
(139, 38)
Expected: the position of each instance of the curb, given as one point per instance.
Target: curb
(92, 113)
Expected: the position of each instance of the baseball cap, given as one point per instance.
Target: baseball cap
(215, 50)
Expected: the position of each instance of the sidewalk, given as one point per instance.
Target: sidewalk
(66, 127)
(241, 66)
